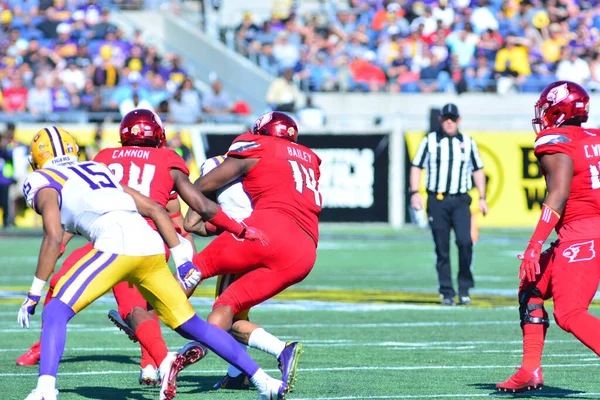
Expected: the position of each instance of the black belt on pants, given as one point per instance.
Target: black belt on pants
(441, 195)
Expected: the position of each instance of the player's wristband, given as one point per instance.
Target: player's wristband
(185, 234)
(37, 286)
(181, 253)
(173, 216)
(545, 225)
(222, 220)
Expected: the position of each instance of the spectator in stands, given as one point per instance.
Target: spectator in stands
(158, 90)
(176, 143)
(14, 98)
(282, 94)
(176, 73)
(573, 68)
(266, 60)
(63, 99)
(512, 63)
(311, 116)
(134, 103)
(463, 48)
(90, 98)
(286, 54)
(181, 111)
(366, 75)
(245, 33)
(433, 78)
(73, 77)
(480, 78)
(39, 98)
(100, 29)
(65, 46)
(216, 100)
(105, 72)
(82, 58)
(552, 44)
(127, 90)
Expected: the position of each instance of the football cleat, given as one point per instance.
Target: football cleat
(174, 363)
(148, 376)
(274, 390)
(39, 395)
(116, 319)
(31, 356)
(240, 382)
(523, 381)
(288, 363)
(193, 352)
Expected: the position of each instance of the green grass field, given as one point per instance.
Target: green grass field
(368, 316)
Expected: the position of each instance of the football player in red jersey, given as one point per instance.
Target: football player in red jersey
(569, 270)
(281, 177)
(135, 165)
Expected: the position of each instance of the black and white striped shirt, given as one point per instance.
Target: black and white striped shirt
(449, 161)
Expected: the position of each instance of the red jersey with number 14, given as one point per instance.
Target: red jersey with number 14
(286, 179)
(583, 146)
(145, 169)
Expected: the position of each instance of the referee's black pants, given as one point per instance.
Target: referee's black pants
(452, 212)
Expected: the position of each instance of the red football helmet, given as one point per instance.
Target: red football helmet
(560, 102)
(276, 124)
(142, 128)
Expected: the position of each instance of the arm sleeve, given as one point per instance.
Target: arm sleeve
(246, 146)
(422, 154)
(34, 183)
(476, 160)
(552, 143)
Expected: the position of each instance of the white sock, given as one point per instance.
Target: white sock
(263, 340)
(233, 371)
(46, 383)
(259, 379)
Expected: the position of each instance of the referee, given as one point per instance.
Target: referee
(450, 159)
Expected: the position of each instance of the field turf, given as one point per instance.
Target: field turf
(368, 316)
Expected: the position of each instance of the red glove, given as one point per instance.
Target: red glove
(63, 248)
(253, 234)
(530, 262)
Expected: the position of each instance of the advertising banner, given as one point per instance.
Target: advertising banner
(515, 186)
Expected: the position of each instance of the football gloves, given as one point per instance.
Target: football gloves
(27, 309)
(188, 274)
(530, 261)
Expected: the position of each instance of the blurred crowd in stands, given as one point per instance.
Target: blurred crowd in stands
(66, 60)
(428, 45)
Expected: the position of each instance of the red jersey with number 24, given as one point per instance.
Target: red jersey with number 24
(583, 146)
(286, 179)
(145, 169)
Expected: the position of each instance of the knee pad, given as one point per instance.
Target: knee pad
(526, 308)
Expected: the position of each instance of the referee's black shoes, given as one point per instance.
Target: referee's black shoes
(447, 300)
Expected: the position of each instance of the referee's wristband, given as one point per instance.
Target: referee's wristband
(482, 197)
(413, 192)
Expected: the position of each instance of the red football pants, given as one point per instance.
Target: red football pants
(575, 276)
(268, 270)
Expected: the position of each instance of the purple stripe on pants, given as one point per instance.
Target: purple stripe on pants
(76, 274)
(89, 280)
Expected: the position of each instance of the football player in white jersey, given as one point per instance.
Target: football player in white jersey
(86, 199)
(236, 203)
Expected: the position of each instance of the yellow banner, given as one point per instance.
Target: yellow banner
(515, 186)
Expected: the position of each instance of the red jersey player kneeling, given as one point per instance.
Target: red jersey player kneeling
(569, 156)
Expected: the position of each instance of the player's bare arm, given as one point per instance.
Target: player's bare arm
(195, 199)
(559, 174)
(174, 210)
(47, 205)
(231, 169)
(151, 209)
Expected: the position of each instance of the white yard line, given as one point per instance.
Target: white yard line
(460, 396)
(332, 369)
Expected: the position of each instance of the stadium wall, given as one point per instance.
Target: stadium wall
(364, 171)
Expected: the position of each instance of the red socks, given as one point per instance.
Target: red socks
(533, 339)
(154, 349)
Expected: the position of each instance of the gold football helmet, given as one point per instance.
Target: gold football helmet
(52, 144)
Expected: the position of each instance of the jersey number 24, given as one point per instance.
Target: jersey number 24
(139, 179)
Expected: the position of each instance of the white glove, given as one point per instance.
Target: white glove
(27, 309)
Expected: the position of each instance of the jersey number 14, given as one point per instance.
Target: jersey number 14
(305, 176)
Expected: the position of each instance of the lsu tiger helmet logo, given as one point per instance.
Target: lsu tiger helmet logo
(580, 251)
(54, 146)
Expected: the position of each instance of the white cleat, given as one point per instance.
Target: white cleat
(148, 376)
(39, 395)
(168, 370)
(274, 390)
(116, 319)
